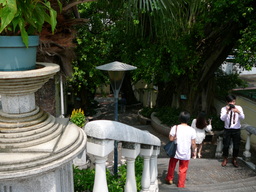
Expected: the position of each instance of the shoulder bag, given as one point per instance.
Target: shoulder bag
(171, 147)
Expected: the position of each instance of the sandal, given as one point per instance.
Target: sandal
(234, 162)
(224, 162)
(169, 182)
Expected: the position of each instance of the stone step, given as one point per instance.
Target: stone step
(243, 185)
(208, 175)
(248, 184)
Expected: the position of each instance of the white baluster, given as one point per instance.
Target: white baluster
(247, 153)
(146, 152)
(130, 151)
(219, 147)
(154, 171)
(130, 185)
(100, 180)
(145, 182)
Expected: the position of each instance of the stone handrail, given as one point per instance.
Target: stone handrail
(246, 154)
(100, 143)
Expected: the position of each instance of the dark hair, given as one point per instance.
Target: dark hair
(184, 117)
(230, 98)
(201, 120)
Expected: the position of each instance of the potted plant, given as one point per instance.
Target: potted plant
(22, 20)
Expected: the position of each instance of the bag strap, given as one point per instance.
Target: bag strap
(176, 131)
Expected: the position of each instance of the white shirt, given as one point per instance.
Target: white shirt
(200, 133)
(184, 136)
(234, 123)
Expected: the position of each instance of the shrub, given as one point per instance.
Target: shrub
(84, 179)
(217, 124)
(146, 112)
(168, 116)
(78, 117)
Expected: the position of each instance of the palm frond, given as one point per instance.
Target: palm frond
(164, 17)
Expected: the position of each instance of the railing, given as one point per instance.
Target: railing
(246, 154)
(100, 143)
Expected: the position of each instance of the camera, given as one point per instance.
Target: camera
(231, 106)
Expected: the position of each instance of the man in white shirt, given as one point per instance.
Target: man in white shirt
(231, 114)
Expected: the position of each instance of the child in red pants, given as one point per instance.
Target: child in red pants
(185, 138)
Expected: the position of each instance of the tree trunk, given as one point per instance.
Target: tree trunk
(127, 90)
(165, 95)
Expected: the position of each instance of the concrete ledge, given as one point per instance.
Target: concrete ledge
(143, 120)
(157, 126)
(113, 130)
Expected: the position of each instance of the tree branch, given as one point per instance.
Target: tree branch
(75, 3)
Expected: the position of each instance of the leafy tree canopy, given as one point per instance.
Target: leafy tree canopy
(177, 45)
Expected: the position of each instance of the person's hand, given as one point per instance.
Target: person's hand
(211, 133)
(236, 110)
(228, 107)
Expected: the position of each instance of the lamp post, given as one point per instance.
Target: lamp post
(116, 71)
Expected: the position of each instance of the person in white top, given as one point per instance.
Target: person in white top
(185, 138)
(231, 114)
(201, 126)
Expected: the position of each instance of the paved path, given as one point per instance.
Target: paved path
(204, 174)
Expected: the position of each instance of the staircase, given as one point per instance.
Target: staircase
(204, 174)
(208, 175)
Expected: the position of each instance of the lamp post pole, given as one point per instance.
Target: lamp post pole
(116, 105)
(116, 71)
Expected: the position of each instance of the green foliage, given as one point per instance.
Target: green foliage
(77, 117)
(93, 49)
(26, 17)
(226, 82)
(147, 111)
(138, 173)
(168, 115)
(170, 46)
(84, 179)
(217, 124)
(246, 51)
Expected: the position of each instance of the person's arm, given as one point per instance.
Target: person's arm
(223, 113)
(208, 128)
(172, 138)
(193, 124)
(172, 134)
(240, 111)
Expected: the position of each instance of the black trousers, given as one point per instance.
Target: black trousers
(235, 136)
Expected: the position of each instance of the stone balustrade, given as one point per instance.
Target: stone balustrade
(100, 143)
(246, 154)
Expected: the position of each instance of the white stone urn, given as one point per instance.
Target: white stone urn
(36, 149)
